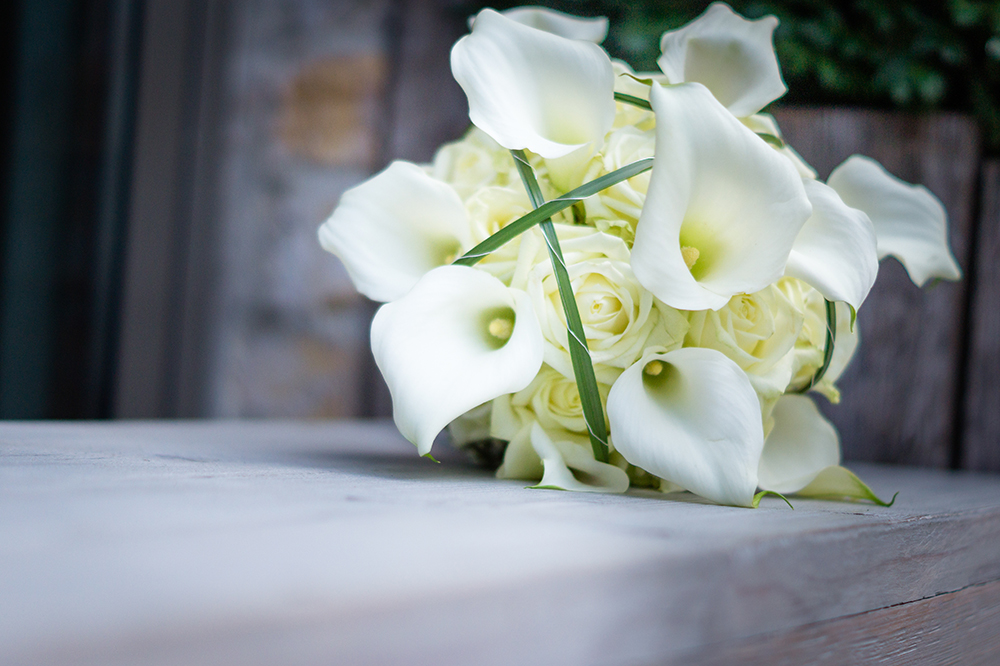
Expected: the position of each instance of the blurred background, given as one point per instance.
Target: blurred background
(164, 166)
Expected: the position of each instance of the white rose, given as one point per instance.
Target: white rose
(619, 317)
(473, 426)
(758, 332)
(554, 399)
(616, 209)
(811, 343)
(625, 82)
(489, 210)
(473, 162)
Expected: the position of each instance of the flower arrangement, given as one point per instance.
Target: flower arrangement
(628, 279)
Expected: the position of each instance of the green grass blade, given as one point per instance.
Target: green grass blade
(550, 208)
(772, 139)
(831, 341)
(583, 368)
(625, 98)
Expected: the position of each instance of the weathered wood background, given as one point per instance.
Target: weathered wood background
(306, 98)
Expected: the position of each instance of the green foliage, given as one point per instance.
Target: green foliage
(908, 55)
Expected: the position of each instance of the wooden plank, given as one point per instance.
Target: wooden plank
(958, 628)
(981, 447)
(900, 392)
(251, 543)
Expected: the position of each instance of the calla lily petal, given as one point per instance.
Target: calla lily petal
(690, 416)
(456, 340)
(800, 446)
(531, 89)
(910, 222)
(835, 251)
(837, 483)
(394, 227)
(558, 23)
(731, 56)
(559, 457)
(719, 199)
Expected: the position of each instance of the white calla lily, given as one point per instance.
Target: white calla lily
(559, 458)
(731, 56)
(394, 227)
(558, 23)
(910, 222)
(722, 209)
(690, 416)
(836, 250)
(531, 89)
(800, 445)
(456, 340)
(840, 483)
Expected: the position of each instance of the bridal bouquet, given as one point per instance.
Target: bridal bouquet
(620, 278)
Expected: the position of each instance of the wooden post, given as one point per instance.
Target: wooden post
(981, 442)
(900, 392)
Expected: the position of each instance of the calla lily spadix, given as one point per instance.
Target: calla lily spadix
(534, 90)
(558, 23)
(458, 339)
(731, 56)
(393, 228)
(690, 416)
(722, 210)
(835, 252)
(910, 222)
(800, 445)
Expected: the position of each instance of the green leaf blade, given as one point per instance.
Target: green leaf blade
(639, 102)
(583, 367)
(830, 345)
(547, 209)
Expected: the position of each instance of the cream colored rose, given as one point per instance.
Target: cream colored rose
(810, 345)
(625, 82)
(619, 317)
(554, 399)
(616, 209)
(473, 426)
(473, 162)
(758, 331)
(489, 210)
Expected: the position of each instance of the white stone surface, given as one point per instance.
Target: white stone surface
(269, 542)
